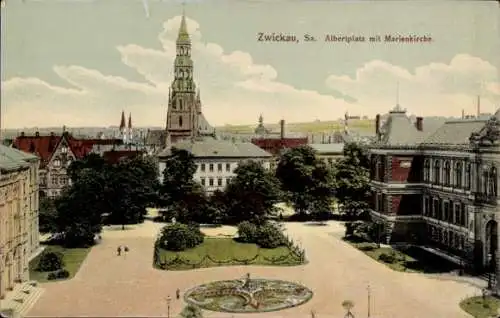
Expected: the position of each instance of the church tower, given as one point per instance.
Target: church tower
(184, 106)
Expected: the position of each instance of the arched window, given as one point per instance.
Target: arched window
(437, 171)
(180, 121)
(458, 174)
(492, 183)
(427, 170)
(378, 164)
(447, 173)
(468, 170)
(486, 181)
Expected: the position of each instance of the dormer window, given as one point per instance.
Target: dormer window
(57, 163)
(64, 149)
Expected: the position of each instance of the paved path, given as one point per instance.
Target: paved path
(108, 285)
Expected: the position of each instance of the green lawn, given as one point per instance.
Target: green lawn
(72, 257)
(411, 259)
(480, 308)
(227, 251)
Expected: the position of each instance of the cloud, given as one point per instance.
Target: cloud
(235, 89)
(433, 89)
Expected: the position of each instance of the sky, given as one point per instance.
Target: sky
(80, 63)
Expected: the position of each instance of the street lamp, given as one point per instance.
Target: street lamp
(169, 300)
(369, 300)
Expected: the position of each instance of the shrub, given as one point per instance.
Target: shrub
(270, 236)
(367, 246)
(50, 261)
(388, 257)
(247, 232)
(179, 237)
(60, 274)
(51, 276)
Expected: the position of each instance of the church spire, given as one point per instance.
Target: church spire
(130, 121)
(122, 122)
(183, 35)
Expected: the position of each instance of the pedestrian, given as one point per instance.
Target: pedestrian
(178, 293)
(126, 249)
(119, 250)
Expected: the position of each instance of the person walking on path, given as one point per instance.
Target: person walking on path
(178, 293)
(119, 251)
(125, 249)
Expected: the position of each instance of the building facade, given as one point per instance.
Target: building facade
(439, 188)
(56, 153)
(19, 236)
(216, 160)
(328, 153)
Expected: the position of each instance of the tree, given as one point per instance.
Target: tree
(131, 187)
(251, 194)
(79, 209)
(352, 182)
(92, 161)
(47, 215)
(191, 311)
(294, 171)
(307, 180)
(179, 192)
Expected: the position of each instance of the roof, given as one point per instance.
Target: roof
(212, 148)
(114, 156)
(276, 146)
(455, 132)
(337, 148)
(156, 137)
(44, 146)
(12, 159)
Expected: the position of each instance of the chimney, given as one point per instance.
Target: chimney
(282, 129)
(377, 125)
(463, 114)
(419, 123)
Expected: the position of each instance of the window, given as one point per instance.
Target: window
(492, 184)
(437, 171)
(64, 149)
(228, 167)
(446, 211)
(463, 215)
(447, 173)
(427, 170)
(211, 167)
(435, 210)
(219, 182)
(211, 182)
(219, 167)
(180, 119)
(426, 206)
(468, 170)
(57, 163)
(203, 182)
(458, 214)
(458, 174)
(202, 168)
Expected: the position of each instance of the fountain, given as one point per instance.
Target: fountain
(248, 295)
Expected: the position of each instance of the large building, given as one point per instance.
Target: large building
(439, 188)
(187, 128)
(56, 152)
(18, 216)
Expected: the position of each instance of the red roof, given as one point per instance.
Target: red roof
(114, 156)
(275, 146)
(44, 146)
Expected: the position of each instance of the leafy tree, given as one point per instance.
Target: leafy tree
(79, 209)
(307, 180)
(270, 236)
(47, 215)
(352, 183)
(251, 194)
(247, 232)
(294, 171)
(191, 311)
(131, 187)
(92, 161)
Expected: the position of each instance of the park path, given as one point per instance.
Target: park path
(108, 285)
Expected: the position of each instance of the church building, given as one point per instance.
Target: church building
(188, 129)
